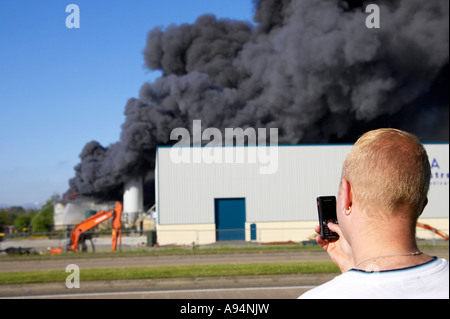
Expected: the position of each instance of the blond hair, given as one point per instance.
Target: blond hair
(388, 169)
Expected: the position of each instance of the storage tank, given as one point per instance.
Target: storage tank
(133, 199)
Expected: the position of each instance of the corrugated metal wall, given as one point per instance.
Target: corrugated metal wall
(186, 192)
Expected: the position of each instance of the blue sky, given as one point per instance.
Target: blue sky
(61, 88)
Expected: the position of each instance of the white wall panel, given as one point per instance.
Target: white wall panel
(185, 192)
(438, 203)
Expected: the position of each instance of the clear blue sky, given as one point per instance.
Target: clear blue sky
(61, 88)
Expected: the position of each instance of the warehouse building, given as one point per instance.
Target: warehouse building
(263, 194)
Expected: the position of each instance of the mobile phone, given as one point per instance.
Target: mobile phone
(326, 206)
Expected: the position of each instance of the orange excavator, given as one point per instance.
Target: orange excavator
(78, 235)
(434, 230)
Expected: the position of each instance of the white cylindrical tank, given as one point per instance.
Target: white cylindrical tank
(133, 199)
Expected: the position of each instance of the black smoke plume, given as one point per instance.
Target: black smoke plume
(310, 68)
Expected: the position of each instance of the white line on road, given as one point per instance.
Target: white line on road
(152, 292)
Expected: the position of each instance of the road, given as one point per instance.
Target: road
(242, 287)
(161, 260)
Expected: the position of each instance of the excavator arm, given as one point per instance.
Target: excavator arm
(434, 230)
(89, 223)
(117, 226)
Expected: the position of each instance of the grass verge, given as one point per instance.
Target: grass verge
(193, 271)
(167, 251)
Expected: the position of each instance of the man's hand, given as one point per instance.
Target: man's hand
(339, 250)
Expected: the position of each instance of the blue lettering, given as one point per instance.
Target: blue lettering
(435, 164)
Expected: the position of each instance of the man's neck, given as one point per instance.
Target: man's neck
(390, 244)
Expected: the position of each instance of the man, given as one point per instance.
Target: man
(382, 193)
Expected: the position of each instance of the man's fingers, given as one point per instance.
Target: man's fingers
(321, 242)
(335, 228)
(317, 229)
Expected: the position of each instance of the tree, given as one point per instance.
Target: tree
(22, 222)
(8, 215)
(43, 221)
(5, 218)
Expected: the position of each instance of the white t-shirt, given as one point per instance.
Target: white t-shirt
(426, 281)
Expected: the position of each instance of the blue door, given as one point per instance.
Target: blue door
(230, 219)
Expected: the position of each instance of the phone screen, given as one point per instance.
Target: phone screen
(327, 212)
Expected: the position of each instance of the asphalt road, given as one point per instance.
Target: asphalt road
(167, 260)
(242, 287)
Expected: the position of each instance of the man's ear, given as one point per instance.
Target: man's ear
(347, 194)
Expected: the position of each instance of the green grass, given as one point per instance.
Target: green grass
(166, 252)
(171, 272)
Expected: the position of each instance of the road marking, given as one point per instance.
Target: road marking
(153, 292)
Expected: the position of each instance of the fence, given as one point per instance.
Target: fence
(97, 240)
(133, 240)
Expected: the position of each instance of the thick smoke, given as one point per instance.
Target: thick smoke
(309, 68)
